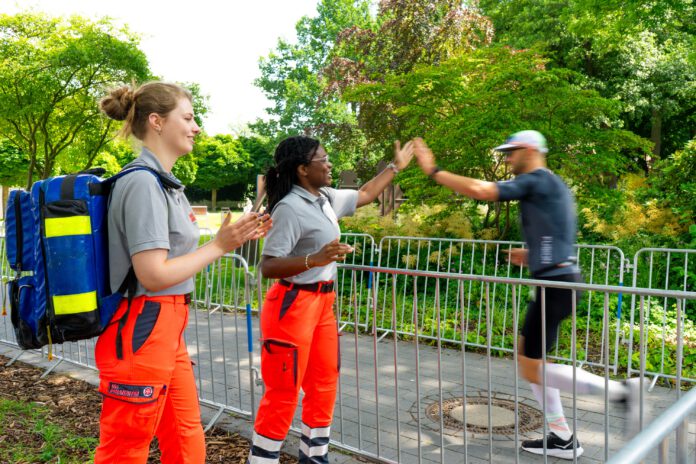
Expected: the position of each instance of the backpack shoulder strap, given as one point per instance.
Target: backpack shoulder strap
(104, 187)
(130, 282)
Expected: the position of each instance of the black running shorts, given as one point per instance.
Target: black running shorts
(558, 307)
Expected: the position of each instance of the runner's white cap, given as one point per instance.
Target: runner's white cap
(526, 138)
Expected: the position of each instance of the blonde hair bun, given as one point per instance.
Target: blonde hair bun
(118, 103)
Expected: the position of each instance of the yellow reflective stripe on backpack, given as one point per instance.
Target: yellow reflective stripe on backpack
(73, 225)
(76, 303)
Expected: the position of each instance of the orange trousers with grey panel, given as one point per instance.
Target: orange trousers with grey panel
(151, 391)
(299, 350)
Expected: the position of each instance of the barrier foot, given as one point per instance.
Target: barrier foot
(258, 381)
(50, 369)
(214, 419)
(215, 308)
(254, 381)
(652, 383)
(11, 361)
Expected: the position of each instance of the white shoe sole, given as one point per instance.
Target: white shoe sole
(556, 453)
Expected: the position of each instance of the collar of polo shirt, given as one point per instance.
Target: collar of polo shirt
(305, 194)
(149, 159)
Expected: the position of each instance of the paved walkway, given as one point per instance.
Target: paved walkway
(381, 409)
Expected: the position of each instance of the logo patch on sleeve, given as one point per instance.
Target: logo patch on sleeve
(131, 391)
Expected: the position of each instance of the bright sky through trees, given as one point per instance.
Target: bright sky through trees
(214, 43)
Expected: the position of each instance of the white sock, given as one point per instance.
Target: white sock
(554, 410)
(561, 376)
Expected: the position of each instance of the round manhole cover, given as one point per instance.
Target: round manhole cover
(502, 414)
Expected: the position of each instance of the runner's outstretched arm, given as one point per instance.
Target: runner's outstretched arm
(472, 188)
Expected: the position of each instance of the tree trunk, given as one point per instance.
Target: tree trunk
(214, 199)
(49, 163)
(589, 65)
(655, 136)
(506, 229)
(496, 219)
(5, 196)
(487, 217)
(30, 174)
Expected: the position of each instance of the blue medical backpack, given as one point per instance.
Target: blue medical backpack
(56, 243)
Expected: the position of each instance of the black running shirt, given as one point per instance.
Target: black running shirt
(549, 220)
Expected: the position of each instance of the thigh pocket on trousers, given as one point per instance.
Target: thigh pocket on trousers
(279, 364)
(144, 324)
(133, 409)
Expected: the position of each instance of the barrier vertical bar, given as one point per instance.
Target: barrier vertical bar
(489, 335)
(439, 371)
(681, 430)
(357, 374)
(605, 330)
(375, 361)
(416, 344)
(464, 337)
(515, 360)
(641, 348)
(396, 370)
(543, 365)
(574, 356)
(250, 345)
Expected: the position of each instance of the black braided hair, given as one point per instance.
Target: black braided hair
(289, 154)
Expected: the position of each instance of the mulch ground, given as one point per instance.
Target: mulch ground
(75, 406)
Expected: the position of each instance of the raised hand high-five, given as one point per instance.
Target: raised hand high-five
(424, 156)
(403, 156)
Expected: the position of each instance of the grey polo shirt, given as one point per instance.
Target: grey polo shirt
(143, 216)
(303, 223)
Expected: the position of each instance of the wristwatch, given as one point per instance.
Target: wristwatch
(393, 167)
(435, 170)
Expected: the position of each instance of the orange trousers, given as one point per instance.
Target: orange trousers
(151, 391)
(300, 349)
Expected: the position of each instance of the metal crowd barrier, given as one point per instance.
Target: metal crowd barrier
(387, 413)
(221, 333)
(364, 253)
(668, 269)
(656, 435)
(599, 264)
(403, 374)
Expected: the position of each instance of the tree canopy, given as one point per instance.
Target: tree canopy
(612, 84)
(638, 52)
(221, 161)
(52, 73)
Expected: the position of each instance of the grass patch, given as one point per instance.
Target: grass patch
(28, 435)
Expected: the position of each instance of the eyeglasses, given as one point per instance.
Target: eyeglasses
(323, 159)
